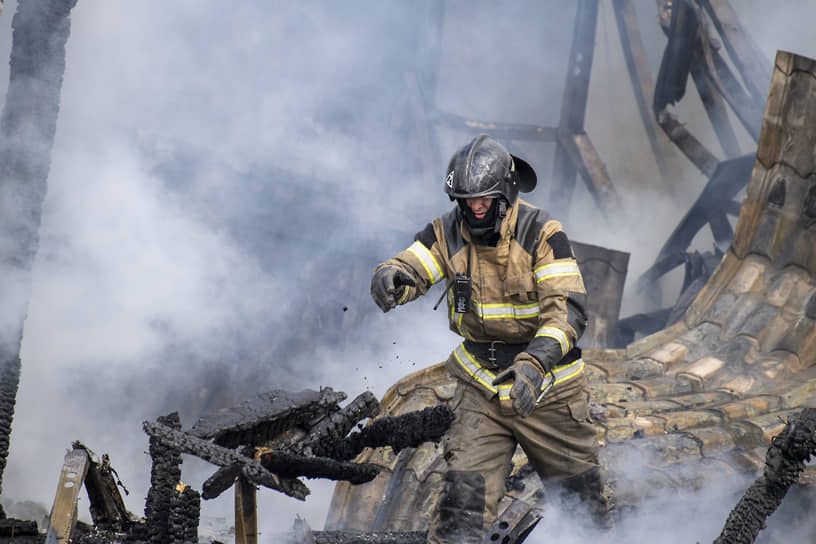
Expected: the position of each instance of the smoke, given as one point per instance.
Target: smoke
(223, 181)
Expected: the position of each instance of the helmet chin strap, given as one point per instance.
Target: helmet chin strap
(492, 221)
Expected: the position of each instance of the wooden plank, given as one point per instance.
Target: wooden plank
(574, 101)
(63, 518)
(692, 148)
(107, 508)
(246, 512)
(637, 64)
(754, 68)
(593, 170)
(713, 101)
(748, 110)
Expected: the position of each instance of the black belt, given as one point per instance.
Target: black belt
(497, 353)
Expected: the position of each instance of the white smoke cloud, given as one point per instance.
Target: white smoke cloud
(223, 180)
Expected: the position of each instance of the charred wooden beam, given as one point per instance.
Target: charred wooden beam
(574, 101)
(165, 475)
(185, 513)
(682, 29)
(584, 156)
(754, 68)
(728, 179)
(677, 57)
(715, 105)
(220, 481)
(507, 131)
(28, 124)
(705, 161)
(785, 460)
(263, 417)
(637, 64)
(291, 465)
(108, 510)
(407, 430)
(748, 110)
(218, 455)
(336, 426)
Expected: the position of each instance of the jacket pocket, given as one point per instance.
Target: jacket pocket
(579, 408)
(521, 288)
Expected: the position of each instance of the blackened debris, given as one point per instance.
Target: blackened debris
(165, 474)
(786, 458)
(9, 379)
(220, 481)
(217, 455)
(351, 537)
(107, 508)
(185, 511)
(290, 465)
(407, 430)
(16, 527)
(335, 426)
(262, 418)
(515, 482)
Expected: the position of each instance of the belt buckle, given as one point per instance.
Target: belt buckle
(492, 351)
(546, 388)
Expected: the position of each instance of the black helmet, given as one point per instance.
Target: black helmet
(485, 168)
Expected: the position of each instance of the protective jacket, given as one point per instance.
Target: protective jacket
(527, 291)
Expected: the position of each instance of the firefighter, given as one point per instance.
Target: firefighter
(515, 294)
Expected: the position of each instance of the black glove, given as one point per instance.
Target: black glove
(387, 285)
(527, 380)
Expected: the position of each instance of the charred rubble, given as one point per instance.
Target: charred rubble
(270, 440)
(784, 462)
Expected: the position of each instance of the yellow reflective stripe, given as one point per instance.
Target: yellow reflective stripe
(477, 371)
(485, 377)
(563, 373)
(556, 270)
(428, 261)
(404, 296)
(559, 335)
(507, 311)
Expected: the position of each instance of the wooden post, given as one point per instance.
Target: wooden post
(573, 104)
(637, 64)
(749, 60)
(246, 512)
(63, 516)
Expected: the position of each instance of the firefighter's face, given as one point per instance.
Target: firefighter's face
(479, 205)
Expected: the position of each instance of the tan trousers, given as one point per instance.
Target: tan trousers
(558, 437)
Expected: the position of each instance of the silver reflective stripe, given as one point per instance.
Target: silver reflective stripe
(507, 311)
(556, 270)
(477, 371)
(563, 373)
(428, 261)
(558, 335)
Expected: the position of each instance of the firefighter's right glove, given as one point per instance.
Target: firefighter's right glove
(388, 285)
(525, 373)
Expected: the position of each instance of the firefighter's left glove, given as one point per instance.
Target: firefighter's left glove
(526, 376)
(388, 285)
